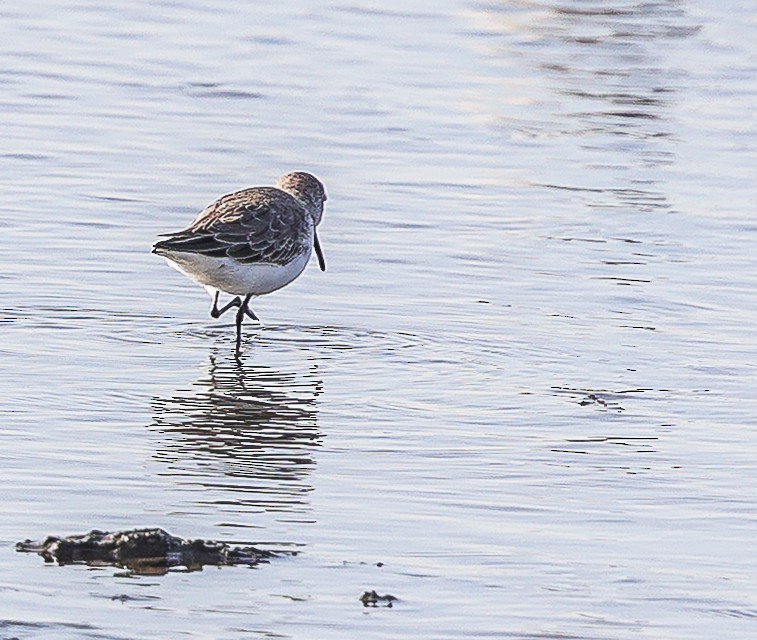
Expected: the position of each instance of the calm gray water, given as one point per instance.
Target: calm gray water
(522, 397)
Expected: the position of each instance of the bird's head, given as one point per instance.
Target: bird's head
(307, 189)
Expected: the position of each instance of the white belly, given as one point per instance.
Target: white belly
(230, 276)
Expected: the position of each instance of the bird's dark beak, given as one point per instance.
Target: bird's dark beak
(319, 252)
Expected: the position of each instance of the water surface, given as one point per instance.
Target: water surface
(521, 398)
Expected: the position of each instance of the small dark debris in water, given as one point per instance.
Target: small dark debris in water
(594, 398)
(607, 400)
(379, 564)
(482, 301)
(127, 598)
(142, 551)
(373, 599)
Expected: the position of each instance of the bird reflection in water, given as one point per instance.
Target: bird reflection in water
(245, 435)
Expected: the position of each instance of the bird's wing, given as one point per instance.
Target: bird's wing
(254, 226)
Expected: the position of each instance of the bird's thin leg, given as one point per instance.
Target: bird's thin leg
(240, 317)
(215, 312)
(250, 313)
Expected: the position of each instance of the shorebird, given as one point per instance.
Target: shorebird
(250, 242)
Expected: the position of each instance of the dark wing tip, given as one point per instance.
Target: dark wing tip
(204, 243)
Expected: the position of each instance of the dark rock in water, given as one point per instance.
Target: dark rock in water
(143, 551)
(373, 599)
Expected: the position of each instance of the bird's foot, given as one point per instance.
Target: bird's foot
(215, 312)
